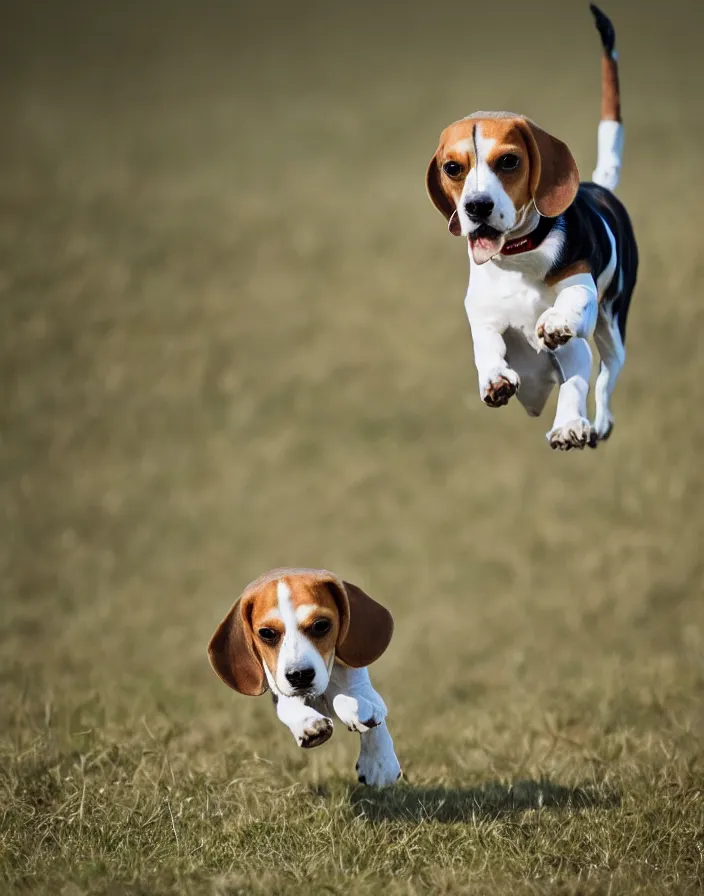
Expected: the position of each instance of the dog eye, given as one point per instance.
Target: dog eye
(270, 635)
(452, 169)
(320, 627)
(509, 162)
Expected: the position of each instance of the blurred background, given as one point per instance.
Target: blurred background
(232, 337)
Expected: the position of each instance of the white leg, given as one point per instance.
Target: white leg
(497, 382)
(360, 707)
(571, 427)
(306, 724)
(354, 700)
(573, 314)
(377, 765)
(613, 354)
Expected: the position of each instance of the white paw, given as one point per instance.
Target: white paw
(553, 329)
(603, 424)
(313, 731)
(498, 385)
(377, 765)
(574, 434)
(358, 713)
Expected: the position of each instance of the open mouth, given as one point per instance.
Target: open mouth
(485, 242)
(484, 231)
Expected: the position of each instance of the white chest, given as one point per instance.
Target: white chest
(507, 299)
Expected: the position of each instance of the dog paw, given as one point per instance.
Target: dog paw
(552, 330)
(500, 385)
(377, 765)
(375, 774)
(314, 732)
(575, 434)
(358, 713)
(603, 425)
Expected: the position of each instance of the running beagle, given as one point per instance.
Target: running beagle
(552, 261)
(308, 637)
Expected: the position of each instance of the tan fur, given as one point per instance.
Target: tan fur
(553, 171)
(361, 628)
(369, 631)
(610, 93)
(305, 590)
(232, 653)
(547, 174)
(579, 267)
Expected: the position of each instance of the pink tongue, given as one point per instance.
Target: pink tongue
(485, 248)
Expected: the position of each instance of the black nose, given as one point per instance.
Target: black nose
(480, 206)
(300, 678)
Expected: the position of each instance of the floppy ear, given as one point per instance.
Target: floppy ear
(365, 626)
(439, 197)
(554, 178)
(232, 654)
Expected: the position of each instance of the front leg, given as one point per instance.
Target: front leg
(360, 707)
(354, 700)
(573, 314)
(497, 382)
(307, 725)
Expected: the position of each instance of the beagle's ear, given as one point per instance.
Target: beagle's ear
(365, 626)
(554, 177)
(439, 197)
(232, 655)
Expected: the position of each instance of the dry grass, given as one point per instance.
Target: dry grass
(233, 338)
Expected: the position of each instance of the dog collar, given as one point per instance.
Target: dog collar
(531, 240)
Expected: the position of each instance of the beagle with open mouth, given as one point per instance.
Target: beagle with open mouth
(308, 637)
(552, 261)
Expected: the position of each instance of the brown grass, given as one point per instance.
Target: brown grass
(233, 338)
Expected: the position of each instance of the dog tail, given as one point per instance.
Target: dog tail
(610, 134)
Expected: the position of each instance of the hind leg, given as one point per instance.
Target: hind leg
(612, 352)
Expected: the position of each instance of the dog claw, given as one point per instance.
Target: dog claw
(575, 434)
(552, 332)
(499, 391)
(316, 734)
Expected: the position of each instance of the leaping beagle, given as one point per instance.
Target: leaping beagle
(552, 261)
(308, 637)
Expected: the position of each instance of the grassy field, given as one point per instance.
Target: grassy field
(232, 337)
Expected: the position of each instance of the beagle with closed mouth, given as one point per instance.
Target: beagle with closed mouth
(552, 261)
(308, 637)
